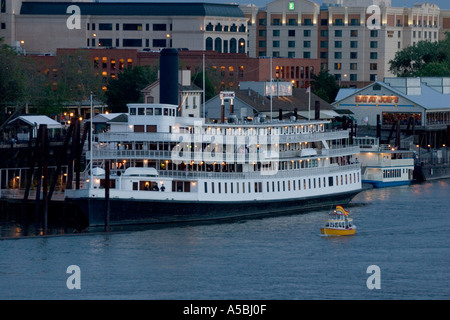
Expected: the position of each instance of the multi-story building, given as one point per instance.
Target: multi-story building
(40, 27)
(353, 41)
(340, 34)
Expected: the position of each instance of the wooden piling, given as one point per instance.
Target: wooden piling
(107, 203)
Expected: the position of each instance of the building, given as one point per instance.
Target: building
(253, 101)
(40, 27)
(415, 104)
(189, 95)
(342, 34)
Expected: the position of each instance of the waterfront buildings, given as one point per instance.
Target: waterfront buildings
(355, 44)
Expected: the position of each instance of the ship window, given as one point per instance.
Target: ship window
(132, 111)
(206, 187)
(139, 128)
(330, 181)
(166, 111)
(278, 186)
(141, 111)
(237, 187)
(284, 186)
(249, 188)
(273, 186)
(135, 186)
(299, 184)
(226, 187)
(243, 187)
(220, 187)
(158, 111)
(212, 187)
(231, 187)
(149, 111)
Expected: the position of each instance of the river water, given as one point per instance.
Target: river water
(404, 231)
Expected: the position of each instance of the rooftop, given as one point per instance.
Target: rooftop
(134, 9)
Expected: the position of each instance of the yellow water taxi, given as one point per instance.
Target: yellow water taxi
(339, 224)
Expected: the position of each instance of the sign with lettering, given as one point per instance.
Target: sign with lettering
(291, 5)
(377, 99)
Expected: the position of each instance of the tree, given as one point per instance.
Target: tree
(12, 79)
(210, 91)
(126, 88)
(324, 86)
(425, 59)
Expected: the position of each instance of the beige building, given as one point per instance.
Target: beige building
(339, 33)
(342, 35)
(40, 27)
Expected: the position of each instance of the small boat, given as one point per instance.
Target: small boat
(339, 224)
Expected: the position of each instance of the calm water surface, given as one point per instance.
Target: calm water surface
(403, 230)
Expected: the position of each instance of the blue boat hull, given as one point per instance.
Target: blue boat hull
(381, 184)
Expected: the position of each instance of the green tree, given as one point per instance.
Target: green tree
(126, 88)
(12, 78)
(425, 59)
(210, 91)
(324, 86)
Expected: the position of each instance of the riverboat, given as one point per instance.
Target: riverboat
(383, 165)
(165, 168)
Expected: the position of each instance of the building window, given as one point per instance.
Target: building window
(353, 33)
(132, 42)
(373, 77)
(306, 44)
(374, 55)
(324, 33)
(353, 66)
(353, 55)
(353, 77)
(291, 54)
(324, 44)
(159, 27)
(353, 44)
(291, 44)
(307, 33)
(374, 33)
(276, 22)
(338, 44)
(261, 44)
(307, 22)
(132, 27)
(105, 26)
(159, 43)
(276, 44)
(292, 22)
(276, 33)
(373, 44)
(306, 55)
(338, 55)
(105, 43)
(291, 33)
(338, 33)
(338, 22)
(373, 66)
(337, 66)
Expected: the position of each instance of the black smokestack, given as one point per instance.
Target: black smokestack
(168, 76)
(317, 110)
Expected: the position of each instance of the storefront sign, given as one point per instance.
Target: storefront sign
(377, 99)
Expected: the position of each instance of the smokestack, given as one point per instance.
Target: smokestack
(168, 87)
(317, 110)
(296, 114)
(280, 114)
(222, 114)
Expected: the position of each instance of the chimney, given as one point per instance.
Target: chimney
(317, 110)
(168, 87)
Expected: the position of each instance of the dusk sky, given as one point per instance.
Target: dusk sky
(443, 4)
